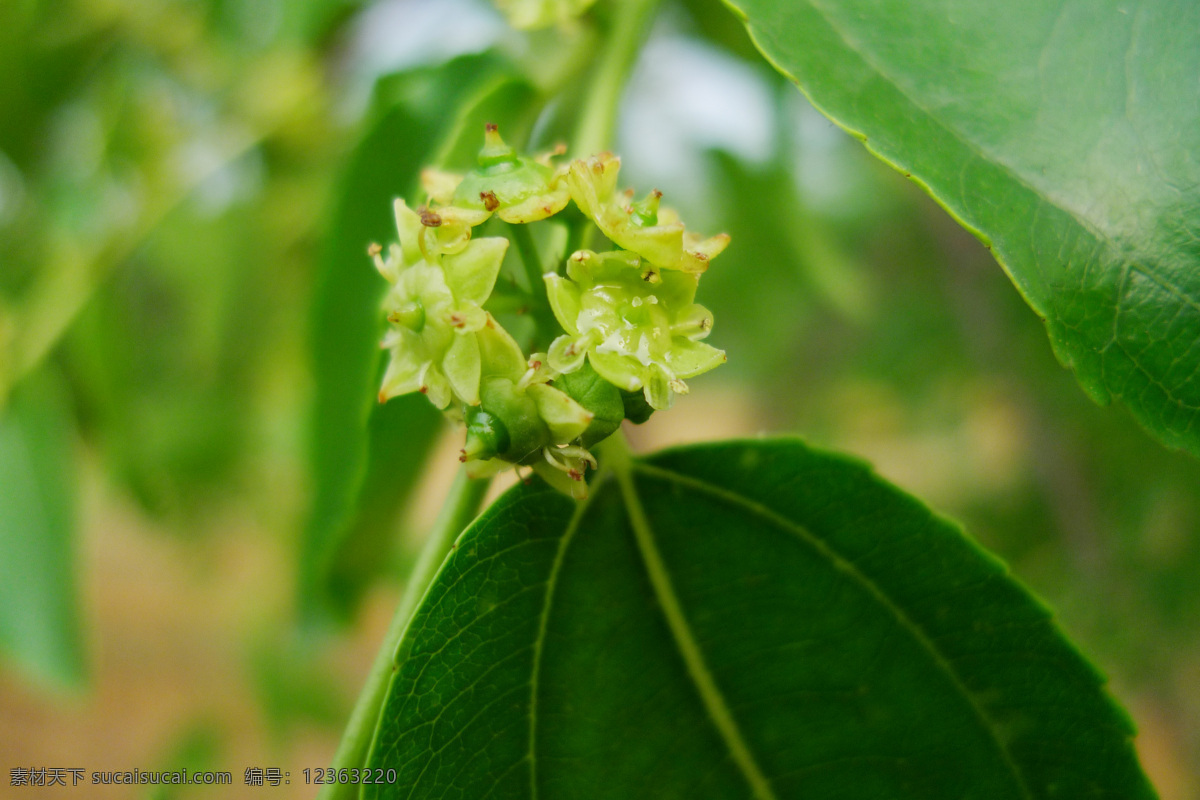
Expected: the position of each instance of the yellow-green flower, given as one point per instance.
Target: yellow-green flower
(515, 188)
(531, 14)
(435, 310)
(521, 419)
(655, 234)
(638, 329)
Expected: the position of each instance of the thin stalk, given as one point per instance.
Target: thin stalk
(462, 503)
(532, 261)
(543, 317)
(630, 24)
(614, 453)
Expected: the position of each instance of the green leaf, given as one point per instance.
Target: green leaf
(1064, 136)
(366, 457)
(743, 619)
(39, 627)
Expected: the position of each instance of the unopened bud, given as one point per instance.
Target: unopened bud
(487, 436)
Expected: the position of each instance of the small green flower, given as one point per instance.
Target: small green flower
(435, 309)
(655, 234)
(521, 419)
(532, 14)
(515, 188)
(638, 328)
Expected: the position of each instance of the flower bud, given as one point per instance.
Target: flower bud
(599, 397)
(516, 395)
(487, 436)
(517, 412)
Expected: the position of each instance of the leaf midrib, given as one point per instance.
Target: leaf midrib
(850, 569)
(688, 648)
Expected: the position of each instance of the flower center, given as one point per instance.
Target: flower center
(411, 315)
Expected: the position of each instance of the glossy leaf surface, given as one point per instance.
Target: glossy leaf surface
(1064, 136)
(740, 620)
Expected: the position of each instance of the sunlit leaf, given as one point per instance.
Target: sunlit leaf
(1064, 135)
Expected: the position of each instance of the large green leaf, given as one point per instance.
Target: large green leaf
(1064, 135)
(366, 457)
(740, 620)
(39, 627)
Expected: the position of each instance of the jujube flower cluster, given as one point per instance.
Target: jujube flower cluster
(630, 333)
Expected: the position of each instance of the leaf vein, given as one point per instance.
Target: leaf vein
(852, 571)
(702, 677)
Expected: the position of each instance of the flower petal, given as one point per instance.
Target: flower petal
(564, 301)
(586, 266)
(485, 468)
(677, 290)
(457, 215)
(435, 386)
(440, 185)
(621, 371)
(593, 182)
(467, 318)
(500, 355)
(658, 244)
(688, 359)
(409, 229)
(566, 419)
(567, 352)
(697, 253)
(403, 375)
(693, 322)
(559, 480)
(658, 389)
(537, 207)
(461, 366)
(471, 274)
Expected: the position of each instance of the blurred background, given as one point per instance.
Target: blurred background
(204, 525)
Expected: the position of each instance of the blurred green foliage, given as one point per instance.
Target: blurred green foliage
(186, 193)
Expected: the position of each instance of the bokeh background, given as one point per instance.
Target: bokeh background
(179, 183)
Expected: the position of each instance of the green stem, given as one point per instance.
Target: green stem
(619, 460)
(543, 317)
(614, 453)
(462, 503)
(532, 261)
(630, 24)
